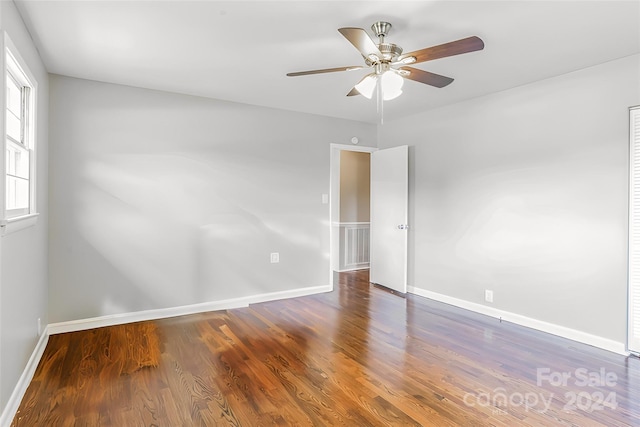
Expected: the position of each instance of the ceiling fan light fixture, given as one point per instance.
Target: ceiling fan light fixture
(391, 85)
(389, 97)
(367, 85)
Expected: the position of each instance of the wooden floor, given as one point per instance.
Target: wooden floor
(358, 356)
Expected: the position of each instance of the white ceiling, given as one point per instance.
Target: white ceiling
(241, 50)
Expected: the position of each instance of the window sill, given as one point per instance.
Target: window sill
(12, 225)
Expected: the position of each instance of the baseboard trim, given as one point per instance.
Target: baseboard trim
(162, 313)
(300, 292)
(361, 267)
(140, 316)
(20, 389)
(551, 328)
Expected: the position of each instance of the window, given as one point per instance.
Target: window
(19, 199)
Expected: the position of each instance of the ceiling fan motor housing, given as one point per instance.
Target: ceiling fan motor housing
(389, 51)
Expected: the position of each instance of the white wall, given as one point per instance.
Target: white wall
(525, 192)
(161, 200)
(23, 254)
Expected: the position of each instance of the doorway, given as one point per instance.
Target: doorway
(387, 253)
(349, 208)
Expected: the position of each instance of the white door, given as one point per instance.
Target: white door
(389, 205)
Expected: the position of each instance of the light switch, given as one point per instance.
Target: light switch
(325, 199)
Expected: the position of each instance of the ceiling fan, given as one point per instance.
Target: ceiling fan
(390, 65)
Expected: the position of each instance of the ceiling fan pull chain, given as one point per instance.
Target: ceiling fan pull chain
(380, 101)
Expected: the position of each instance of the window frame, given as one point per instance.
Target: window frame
(14, 67)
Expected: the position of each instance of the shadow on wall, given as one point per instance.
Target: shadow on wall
(184, 197)
(182, 230)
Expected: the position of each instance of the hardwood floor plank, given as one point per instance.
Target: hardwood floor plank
(358, 356)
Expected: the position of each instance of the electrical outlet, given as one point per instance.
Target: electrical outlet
(488, 295)
(275, 257)
(39, 327)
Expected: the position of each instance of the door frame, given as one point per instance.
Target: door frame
(334, 200)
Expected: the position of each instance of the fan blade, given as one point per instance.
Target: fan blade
(326, 70)
(470, 44)
(425, 77)
(361, 40)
